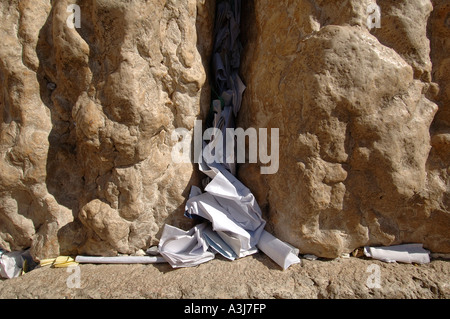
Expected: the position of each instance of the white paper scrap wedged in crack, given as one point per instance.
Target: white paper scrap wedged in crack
(234, 227)
(184, 248)
(232, 210)
(406, 253)
(280, 252)
(10, 264)
(120, 259)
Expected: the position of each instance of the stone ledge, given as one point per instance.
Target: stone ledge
(250, 277)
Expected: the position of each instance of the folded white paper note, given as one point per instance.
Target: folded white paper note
(184, 248)
(406, 253)
(233, 226)
(120, 259)
(280, 252)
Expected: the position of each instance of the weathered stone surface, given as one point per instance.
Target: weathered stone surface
(87, 116)
(354, 108)
(253, 277)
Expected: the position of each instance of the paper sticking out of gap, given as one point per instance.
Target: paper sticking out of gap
(233, 226)
(120, 260)
(64, 262)
(406, 253)
(11, 264)
(231, 222)
(282, 253)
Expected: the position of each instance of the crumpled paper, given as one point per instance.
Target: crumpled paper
(232, 221)
(11, 264)
(233, 226)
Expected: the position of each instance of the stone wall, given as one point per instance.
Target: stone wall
(364, 159)
(87, 116)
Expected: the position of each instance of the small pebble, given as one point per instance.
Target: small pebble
(51, 86)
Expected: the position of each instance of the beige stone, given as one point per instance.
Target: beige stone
(354, 114)
(252, 277)
(87, 119)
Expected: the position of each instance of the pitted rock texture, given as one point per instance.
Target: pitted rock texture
(87, 116)
(252, 277)
(363, 156)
